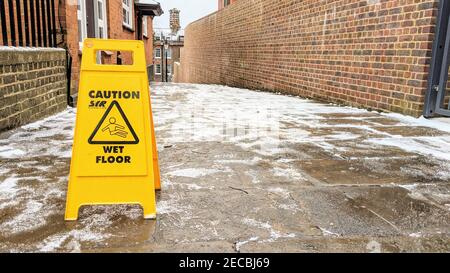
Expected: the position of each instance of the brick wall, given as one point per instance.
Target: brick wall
(68, 13)
(176, 72)
(32, 85)
(369, 53)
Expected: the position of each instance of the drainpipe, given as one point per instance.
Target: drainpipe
(139, 26)
(70, 99)
(162, 62)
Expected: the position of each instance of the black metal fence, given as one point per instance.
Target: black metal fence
(28, 23)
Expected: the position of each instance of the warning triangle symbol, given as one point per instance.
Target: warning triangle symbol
(114, 128)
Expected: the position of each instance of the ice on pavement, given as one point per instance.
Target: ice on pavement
(226, 142)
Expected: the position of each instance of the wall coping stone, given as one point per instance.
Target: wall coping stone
(19, 55)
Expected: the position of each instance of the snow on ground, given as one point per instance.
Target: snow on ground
(228, 142)
(51, 136)
(258, 121)
(193, 173)
(438, 147)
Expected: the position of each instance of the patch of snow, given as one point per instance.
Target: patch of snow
(285, 193)
(182, 186)
(290, 207)
(250, 162)
(30, 218)
(409, 187)
(438, 147)
(239, 244)
(29, 49)
(52, 243)
(288, 173)
(326, 232)
(254, 176)
(193, 173)
(415, 235)
(172, 205)
(274, 234)
(431, 123)
(8, 187)
(10, 152)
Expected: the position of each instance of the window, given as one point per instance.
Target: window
(126, 11)
(158, 53)
(100, 14)
(158, 69)
(81, 15)
(169, 53)
(169, 69)
(226, 3)
(98, 10)
(144, 26)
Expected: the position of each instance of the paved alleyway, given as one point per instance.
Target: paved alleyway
(244, 171)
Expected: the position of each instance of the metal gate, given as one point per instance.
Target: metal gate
(28, 23)
(438, 92)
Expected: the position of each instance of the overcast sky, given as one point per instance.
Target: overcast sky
(190, 10)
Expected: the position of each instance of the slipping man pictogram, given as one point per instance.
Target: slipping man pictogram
(115, 129)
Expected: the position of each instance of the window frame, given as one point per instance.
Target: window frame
(101, 22)
(145, 26)
(158, 49)
(169, 53)
(81, 17)
(129, 8)
(156, 69)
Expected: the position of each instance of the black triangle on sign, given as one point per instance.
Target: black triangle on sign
(114, 103)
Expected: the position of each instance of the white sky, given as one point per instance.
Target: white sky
(190, 10)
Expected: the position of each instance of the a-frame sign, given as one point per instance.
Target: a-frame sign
(114, 159)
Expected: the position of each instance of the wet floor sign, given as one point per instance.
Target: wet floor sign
(114, 159)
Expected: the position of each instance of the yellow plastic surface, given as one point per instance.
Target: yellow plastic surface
(114, 159)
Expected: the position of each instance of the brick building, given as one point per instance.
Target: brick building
(112, 19)
(75, 20)
(373, 54)
(167, 48)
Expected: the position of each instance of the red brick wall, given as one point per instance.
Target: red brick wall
(116, 30)
(369, 53)
(71, 38)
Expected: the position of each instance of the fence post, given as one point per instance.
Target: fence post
(3, 20)
(53, 23)
(11, 22)
(44, 31)
(27, 23)
(19, 23)
(33, 24)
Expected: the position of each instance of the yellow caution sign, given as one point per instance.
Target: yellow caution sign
(114, 159)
